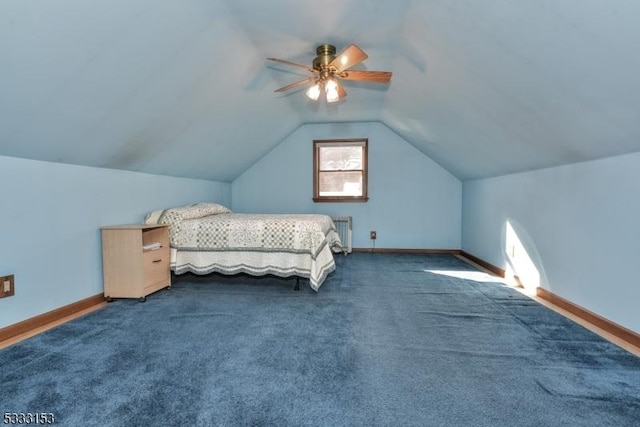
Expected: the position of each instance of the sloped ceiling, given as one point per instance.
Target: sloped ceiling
(182, 88)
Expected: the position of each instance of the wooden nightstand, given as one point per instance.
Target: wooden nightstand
(129, 269)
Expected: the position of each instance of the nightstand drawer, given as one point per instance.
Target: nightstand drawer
(156, 267)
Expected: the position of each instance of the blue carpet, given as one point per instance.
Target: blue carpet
(390, 339)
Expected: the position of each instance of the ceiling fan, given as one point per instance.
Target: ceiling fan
(328, 69)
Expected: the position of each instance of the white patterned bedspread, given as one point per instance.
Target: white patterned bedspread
(280, 244)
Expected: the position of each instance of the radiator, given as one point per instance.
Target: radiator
(343, 225)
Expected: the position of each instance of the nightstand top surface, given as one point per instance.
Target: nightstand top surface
(133, 226)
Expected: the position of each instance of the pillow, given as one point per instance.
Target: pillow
(153, 217)
(200, 210)
(174, 217)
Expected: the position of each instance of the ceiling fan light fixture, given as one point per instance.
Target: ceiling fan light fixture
(328, 70)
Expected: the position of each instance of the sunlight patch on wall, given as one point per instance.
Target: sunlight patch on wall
(520, 270)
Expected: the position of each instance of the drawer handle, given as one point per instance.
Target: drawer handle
(157, 260)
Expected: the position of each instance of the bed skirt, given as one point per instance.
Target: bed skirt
(255, 263)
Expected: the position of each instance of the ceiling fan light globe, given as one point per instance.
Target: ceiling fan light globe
(313, 92)
(332, 96)
(331, 90)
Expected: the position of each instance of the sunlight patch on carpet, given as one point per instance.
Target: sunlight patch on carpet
(476, 276)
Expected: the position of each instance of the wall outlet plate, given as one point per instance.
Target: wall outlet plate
(7, 287)
(373, 235)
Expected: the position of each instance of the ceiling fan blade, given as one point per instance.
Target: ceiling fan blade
(367, 76)
(293, 64)
(295, 84)
(349, 57)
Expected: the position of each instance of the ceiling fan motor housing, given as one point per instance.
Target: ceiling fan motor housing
(326, 53)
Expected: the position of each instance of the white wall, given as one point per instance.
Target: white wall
(414, 203)
(578, 223)
(50, 215)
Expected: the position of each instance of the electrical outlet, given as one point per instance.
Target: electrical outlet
(6, 286)
(373, 235)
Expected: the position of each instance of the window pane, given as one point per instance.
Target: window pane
(336, 184)
(340, 158)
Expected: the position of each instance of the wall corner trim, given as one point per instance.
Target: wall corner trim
(484, 264)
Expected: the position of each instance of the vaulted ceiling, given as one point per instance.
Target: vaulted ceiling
(182, 88)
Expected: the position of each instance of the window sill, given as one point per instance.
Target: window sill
(340, 199)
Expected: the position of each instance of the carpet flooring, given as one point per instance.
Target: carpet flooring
(390, 339)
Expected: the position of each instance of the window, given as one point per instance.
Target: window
(340, 170)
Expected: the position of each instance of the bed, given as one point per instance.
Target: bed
(208, 237)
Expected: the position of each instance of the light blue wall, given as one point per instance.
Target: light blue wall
(50, 215)
(579, 224)
(414, 203)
